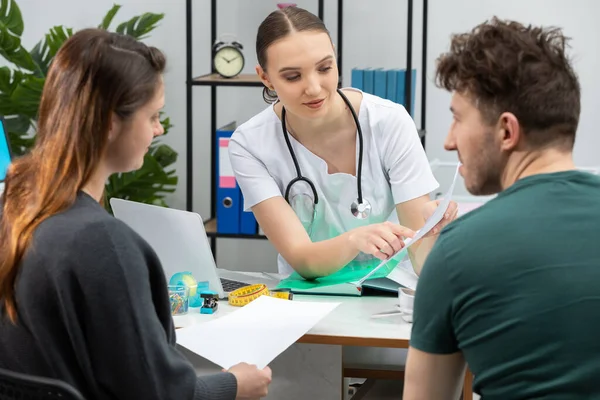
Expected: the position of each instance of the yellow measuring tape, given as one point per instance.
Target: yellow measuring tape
(242, 296)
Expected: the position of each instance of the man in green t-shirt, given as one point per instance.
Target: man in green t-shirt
(512, 289)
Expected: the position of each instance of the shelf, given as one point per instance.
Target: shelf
(217, 80)
(211, 231)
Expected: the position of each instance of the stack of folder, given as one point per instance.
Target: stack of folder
(385, 83)
(231, 217)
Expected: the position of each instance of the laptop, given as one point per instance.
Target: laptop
(5, 153)
(180, 242)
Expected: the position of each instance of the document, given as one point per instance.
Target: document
(429, 224)
(256, 333)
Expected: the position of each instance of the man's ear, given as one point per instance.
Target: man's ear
(509, 131)
(264, 77)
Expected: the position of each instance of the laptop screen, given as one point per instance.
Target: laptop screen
(5, 155)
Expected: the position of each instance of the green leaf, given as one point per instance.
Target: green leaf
(40, 56)
(164, 155)
(140, 25)
(45, 50)
(18, 133)
(19, 124)
(10, 17)
(12, 51)
(110, 15)
(55, 39)
(27, 95)
(9, 80)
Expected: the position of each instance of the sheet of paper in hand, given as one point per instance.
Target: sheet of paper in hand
(429, 224)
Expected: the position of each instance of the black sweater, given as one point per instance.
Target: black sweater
(94, 311)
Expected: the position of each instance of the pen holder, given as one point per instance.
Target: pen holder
(179, 296)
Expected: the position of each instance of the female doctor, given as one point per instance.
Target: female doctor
(322, 169)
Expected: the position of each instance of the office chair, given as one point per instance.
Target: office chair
(18, 386)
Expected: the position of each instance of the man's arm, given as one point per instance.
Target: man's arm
(435, 366)
(433, 376)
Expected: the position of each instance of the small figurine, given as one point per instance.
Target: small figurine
(211, 302)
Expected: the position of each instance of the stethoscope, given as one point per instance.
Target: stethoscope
(360, 208)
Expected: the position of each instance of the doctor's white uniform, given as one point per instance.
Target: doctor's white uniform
(395, 169)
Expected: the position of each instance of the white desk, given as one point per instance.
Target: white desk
(349, 324)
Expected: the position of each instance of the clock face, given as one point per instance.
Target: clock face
(229, 61)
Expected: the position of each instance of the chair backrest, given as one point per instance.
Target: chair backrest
(14, 385)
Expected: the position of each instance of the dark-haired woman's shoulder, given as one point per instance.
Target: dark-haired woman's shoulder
(86, 241)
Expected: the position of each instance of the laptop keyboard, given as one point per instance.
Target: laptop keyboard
(230, 286)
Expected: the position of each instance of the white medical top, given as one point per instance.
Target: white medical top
(395, 169)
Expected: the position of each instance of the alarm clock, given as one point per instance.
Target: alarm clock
(228, 59)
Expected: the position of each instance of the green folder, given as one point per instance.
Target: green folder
(342, 282)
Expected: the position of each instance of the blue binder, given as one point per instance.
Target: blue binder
(357, 78)
(380, 83)
(228, 192)
(401, 82)
(391, 92)
(369, 80)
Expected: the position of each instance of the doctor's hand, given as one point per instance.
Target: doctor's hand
(449, 216)
(252, 383)
(380, 240)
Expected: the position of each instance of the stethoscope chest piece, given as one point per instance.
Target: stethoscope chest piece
(361, 210)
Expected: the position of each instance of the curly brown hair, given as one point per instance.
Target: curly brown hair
(505, 66)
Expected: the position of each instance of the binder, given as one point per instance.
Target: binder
(369, 80)
(380, 85)
(228, 192)
(391, 94)
(356, 78)
(401, 84)
(248, 225)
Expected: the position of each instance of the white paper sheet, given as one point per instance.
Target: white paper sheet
(429, 224)
(256, 333)
(404, 276)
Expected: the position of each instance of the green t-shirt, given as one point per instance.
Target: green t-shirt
(515, 286)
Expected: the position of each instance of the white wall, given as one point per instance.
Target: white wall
(374, 35)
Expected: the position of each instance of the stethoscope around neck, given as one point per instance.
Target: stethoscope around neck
(360, 208)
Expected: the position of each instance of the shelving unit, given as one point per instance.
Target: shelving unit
(213, 80)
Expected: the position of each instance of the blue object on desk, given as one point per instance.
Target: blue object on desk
(210, 302)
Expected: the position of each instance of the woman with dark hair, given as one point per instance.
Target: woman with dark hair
(83, 297)
(359, 158)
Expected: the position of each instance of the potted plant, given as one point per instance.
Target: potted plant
(21, 85)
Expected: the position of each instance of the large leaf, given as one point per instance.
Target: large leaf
(55, 39)
(11, 29)
(27, 95)
(12, 51)
(110, 15)
(45, 50)
(10, 17)
(9, 80)
(18, 133)
(40, 56)
(140, 25)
